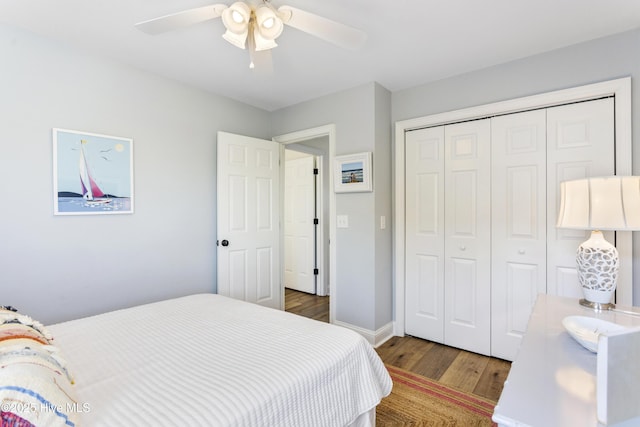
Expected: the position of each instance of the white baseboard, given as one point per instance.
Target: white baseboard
(375, 338)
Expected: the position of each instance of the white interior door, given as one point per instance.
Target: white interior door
(248, 197)
(467, 266)
(424, 297)
(299, 227)
(518, 225)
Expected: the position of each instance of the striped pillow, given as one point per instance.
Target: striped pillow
(35, 386)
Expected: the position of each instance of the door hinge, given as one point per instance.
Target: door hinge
(316, 221)
(316, 271)
(316, 171)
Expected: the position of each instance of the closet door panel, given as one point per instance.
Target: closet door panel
(462, 289)
(580, 143)
(467, 236)
(463, 191)
(424, 292)
(518, 243)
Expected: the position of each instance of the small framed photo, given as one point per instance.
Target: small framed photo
(353, 173)
(92, 173)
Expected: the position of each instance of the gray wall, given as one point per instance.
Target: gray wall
(599, 60)
(61, 267)
(382, 166)
(58, 267)
(595, 61)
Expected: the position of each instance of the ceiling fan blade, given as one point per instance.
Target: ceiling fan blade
(326, 29)
(181, 19)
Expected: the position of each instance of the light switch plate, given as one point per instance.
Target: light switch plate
(343, 221)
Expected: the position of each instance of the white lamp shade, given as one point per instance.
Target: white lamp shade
(602, 203)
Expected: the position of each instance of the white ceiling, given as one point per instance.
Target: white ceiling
(410, 42)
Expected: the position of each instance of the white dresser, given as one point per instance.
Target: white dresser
(552, 381)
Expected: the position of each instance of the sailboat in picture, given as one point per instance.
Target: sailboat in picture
(83, 187)
(91, 193)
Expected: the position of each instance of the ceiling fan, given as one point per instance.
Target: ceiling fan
(258, 25)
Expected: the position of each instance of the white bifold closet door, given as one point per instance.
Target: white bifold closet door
(467, 222)
(448, 235)
(532, 153)
(580, 144)
(481, 206)
(424, 222)
(518, 224)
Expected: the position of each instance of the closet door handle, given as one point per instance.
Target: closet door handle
(463, 248)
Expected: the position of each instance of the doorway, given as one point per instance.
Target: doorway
(320, 142)
(304, 222)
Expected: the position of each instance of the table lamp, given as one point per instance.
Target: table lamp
(597, 204)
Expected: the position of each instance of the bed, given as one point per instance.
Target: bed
(198, 360)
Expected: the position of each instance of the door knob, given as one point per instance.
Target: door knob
(225, 243)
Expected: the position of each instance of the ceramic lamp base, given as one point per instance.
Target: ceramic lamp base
(597, 262)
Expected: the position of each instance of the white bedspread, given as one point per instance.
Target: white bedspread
(208, 360)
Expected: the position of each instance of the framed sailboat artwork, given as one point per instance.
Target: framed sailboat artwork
(92, 173)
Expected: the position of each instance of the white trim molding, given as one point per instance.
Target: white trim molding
(304, 135)
(619, 88)
(375, 338)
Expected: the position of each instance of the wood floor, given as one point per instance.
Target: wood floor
(307, 305)
(470, 372)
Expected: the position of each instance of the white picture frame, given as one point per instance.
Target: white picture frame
(92, 173)
(352, 173)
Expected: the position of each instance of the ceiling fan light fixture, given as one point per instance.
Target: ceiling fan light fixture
(236, 39)
(236, 17)
(268, 23)
(257, 23)
(285, 13)
(261, 43)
